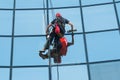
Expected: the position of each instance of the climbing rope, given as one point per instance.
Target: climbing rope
(45, 22)
(53, 16)
(44, 13)
(50, 75)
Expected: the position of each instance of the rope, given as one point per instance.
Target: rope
(44, 13)
(53, 16)
(57, 72)
(53, 13)
(50, 75)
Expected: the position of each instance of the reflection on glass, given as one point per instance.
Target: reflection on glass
(29, 23)
(30, 74)
(89, 2)
(29, 3)
(60, 3)
(105, 71)
(5, 44)
(6, 3)
(5, 22)
(4, 74)
(103, 46)
(70, 73)
(117, 0)
(99, 18)
(118, 10)
(26, 51)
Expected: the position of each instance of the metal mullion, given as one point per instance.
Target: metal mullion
(99, 4)
(6, 9)
(49, 67)
(116, 13)
(85, 41)
(12, 41)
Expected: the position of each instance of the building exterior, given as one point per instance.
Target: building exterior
(94, 56)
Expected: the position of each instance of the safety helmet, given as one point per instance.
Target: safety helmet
(58, 15)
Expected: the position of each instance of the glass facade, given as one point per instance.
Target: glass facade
(95, 54)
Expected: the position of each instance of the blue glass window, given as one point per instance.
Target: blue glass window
(4, 74)
(29, 23)
(6, 22)
(89, 2)
(103, 46)
(105, 71)
(118, 10)
(30, 74)
(63, 3)
(6, 3)
(26, 51)
(5, 49)
(29, 3)
(70, 72)
(117, 0)
(99, 18)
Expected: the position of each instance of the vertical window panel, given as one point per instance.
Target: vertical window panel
(70, 73)
(30, 74)
(103, 46)
(26, 51)
(89, 2)
(5, 22)
(6, 3)
(29, 3)
(4, 74)
(5, 49)
(99, 18)
(105, 71)
(29, 23)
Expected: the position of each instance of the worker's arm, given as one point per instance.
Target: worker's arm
(71, 25)
(48, 28)
(72, 42)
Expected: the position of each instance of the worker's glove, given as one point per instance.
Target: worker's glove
(47, 36)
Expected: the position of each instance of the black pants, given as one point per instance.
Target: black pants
(55, 37)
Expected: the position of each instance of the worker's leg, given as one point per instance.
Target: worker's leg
(49, 41)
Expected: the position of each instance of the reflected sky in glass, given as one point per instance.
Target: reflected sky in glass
(5, 51)
(118, 10)
(111, 71)
(99, 18)
(4, 74)
(70, 72)
(103, 46)
(6, 22)
(6, 3)
(29, 3)
(117, 0)
(63, 3)
(29, 23)
(89, 2)
(30, 74)
(26, 51)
